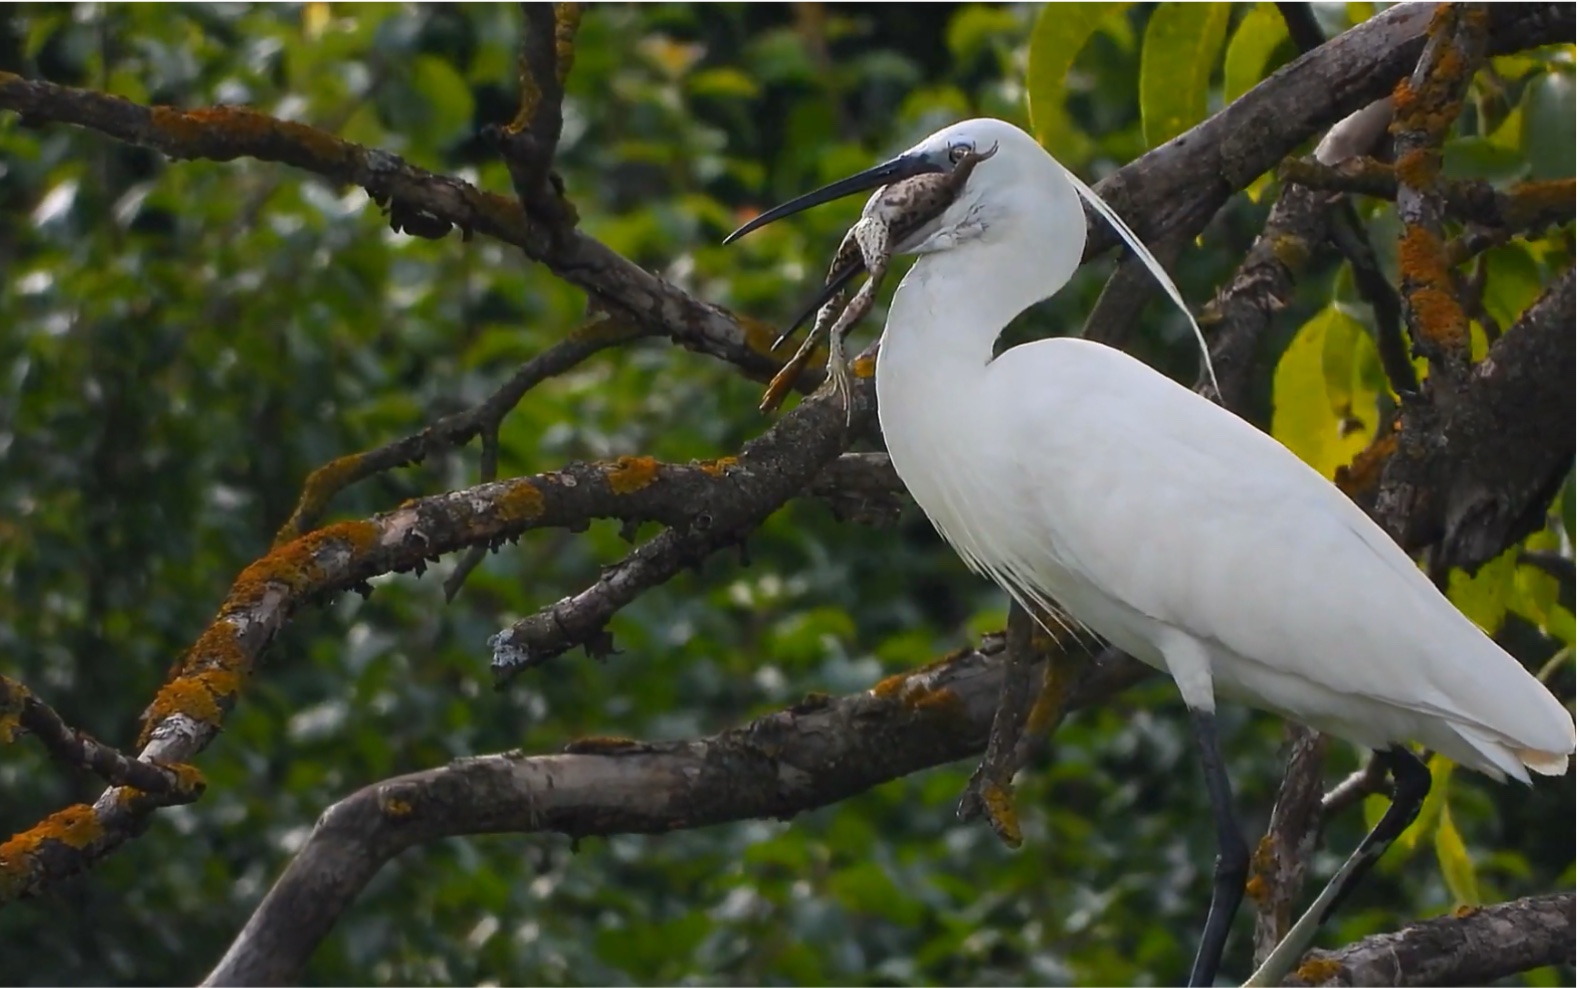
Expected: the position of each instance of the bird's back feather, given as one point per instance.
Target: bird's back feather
(1144, 508)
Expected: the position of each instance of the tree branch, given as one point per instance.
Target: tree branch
(22, 710)
(1475, 948)
(818, 752)
(1425, 109)
(1474, 470)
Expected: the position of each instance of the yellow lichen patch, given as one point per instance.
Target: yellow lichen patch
(1530, 201)
(395, 808)
(1404, 102)
(942, 702)
(75, 826)
(759, 335)
(295, 566)
(209, 677)
(631, 473)
(1439, 317)
(891, 686)
(1464, 911)
(188, 777)
(1364, 472)
(1256, 889)
(1317, 970)
(321, 485)
(13, 696)
(522, 501)
(717, 468)
(1419, 167)
(1292, 251)
(186, 695)
(567, 18)
(864, 366)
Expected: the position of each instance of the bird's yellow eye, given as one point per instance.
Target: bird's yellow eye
(958, 152)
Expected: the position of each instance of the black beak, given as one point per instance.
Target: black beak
(893, 170)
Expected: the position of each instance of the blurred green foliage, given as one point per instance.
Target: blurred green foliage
(181, 343)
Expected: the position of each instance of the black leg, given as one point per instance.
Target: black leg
(1234, 858)
(1411, 782)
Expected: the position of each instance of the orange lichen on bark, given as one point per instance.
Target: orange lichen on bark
(1317, 970)
(13, 696)
(631, 473)
(864, 366)
(395, 807)
(521, 501)
(760, 336)
(1364, 472)
(1530, 201)
(718, 467)
(941, 702)
(567, 18)
(1256, 889)
(1429, 289)
(212, 673)
(321, 485)
(1419, 168)
(245, 126)
(295, 565)
(892, 686)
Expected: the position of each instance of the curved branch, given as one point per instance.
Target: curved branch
(1476, 948)
(820, 751)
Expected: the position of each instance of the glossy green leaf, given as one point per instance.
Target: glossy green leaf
(1549, 122)
(1484, 598)
(1459, 871)
(1514, 281)
(1324, 398)
(1255, 39)
(1178, 54)
(1436, 801)
(1060, 32)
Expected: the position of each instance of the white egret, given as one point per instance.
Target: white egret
(1084, 482)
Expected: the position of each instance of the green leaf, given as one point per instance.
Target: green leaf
(1177, 57)
(1324, 398)
(1549, 121)
(1254, 41)
(1481, 157)
(1436, 802)
(1058, 36)
(1459, 872)
(1513, 282)
(449, 99)
(1484, 598)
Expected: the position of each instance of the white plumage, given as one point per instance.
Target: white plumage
(1078, 477)
(1090, 486)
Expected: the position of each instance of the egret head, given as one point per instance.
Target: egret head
(1011, 167)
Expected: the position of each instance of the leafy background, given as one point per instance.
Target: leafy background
(181, 343)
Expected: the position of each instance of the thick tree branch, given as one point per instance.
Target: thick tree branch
(547, 52)
(1476, 948)
(1474, 470)
(818, 752)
